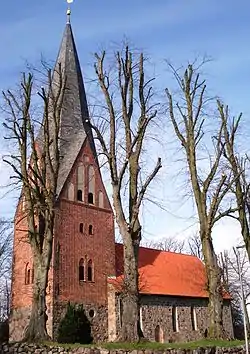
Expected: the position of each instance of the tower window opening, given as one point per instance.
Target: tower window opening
(81, 228)
(90, 198)
(81, 270)
(28, 276)
(90, 270)
(79, 195)
(91, 231)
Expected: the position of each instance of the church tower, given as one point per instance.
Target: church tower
(84, 246)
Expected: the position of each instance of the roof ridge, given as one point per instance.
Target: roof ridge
(164, 251)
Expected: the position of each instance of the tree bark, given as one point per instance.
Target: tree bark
(130, 296)
(36, 330)
(213, 272)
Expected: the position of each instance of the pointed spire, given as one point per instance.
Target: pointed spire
(75, 121)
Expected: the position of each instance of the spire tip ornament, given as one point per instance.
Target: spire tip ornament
(69, 10)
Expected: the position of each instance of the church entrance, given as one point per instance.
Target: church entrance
(159, 335)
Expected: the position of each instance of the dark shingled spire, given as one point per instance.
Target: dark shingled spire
(75, 127)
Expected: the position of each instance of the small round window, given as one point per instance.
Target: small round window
(91, 313)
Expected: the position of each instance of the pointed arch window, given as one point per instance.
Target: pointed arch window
(120, 305)
(90, 270)
(91, 185)
(80, 182)
(23, 203)
(175, 321)
(28, 275)
(91, 230)
(79, 195)
(193, 319)
(71, 192)
(100, 199)
(90, 198)
(81, 270)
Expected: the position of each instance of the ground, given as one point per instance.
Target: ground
(158, 346)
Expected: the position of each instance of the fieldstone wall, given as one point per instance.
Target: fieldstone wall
(19, 320)
(22, 348)
(157, 318)
(97, 315)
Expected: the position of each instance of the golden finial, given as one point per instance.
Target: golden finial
(69, 10)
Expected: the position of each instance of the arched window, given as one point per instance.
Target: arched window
(79, 195)
(91, 230)
(140, 318)
(120, 304)
(71, 192)
(81, 228)
(32, 275)
(81, 270)
(90, 270)
(193, 319)
(175, 319)
(27, 279)
(80, 182)
(23, 203)
(90, 198)
(100, 199)
(91, 185)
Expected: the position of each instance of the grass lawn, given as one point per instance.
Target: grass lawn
(155, 345)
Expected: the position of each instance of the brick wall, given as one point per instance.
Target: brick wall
(70, 245)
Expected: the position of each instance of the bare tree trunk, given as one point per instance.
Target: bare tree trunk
(36, 329)
(214, 288)
(188, 119)
(130, 294)
(127, 129)
(36, 166)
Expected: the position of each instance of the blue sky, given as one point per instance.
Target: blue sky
(175, 30)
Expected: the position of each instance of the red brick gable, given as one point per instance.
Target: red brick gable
(167, 273)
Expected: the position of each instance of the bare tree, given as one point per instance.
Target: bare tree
(35, 165)
(230, 276)
(239, 166)
(209, 181)
(129, 112)
(170, 244)
(194, 246)
(5, 266)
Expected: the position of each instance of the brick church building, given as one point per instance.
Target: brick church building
(87, 263)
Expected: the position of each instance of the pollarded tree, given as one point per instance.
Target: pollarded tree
(239, 165)
(127, 96)
(35, 165)
(210, 182)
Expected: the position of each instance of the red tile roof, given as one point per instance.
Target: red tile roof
(167, 273)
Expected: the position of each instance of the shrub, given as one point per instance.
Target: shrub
(4, 331)
(75, 326)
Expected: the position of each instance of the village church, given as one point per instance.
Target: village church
(86, 262)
